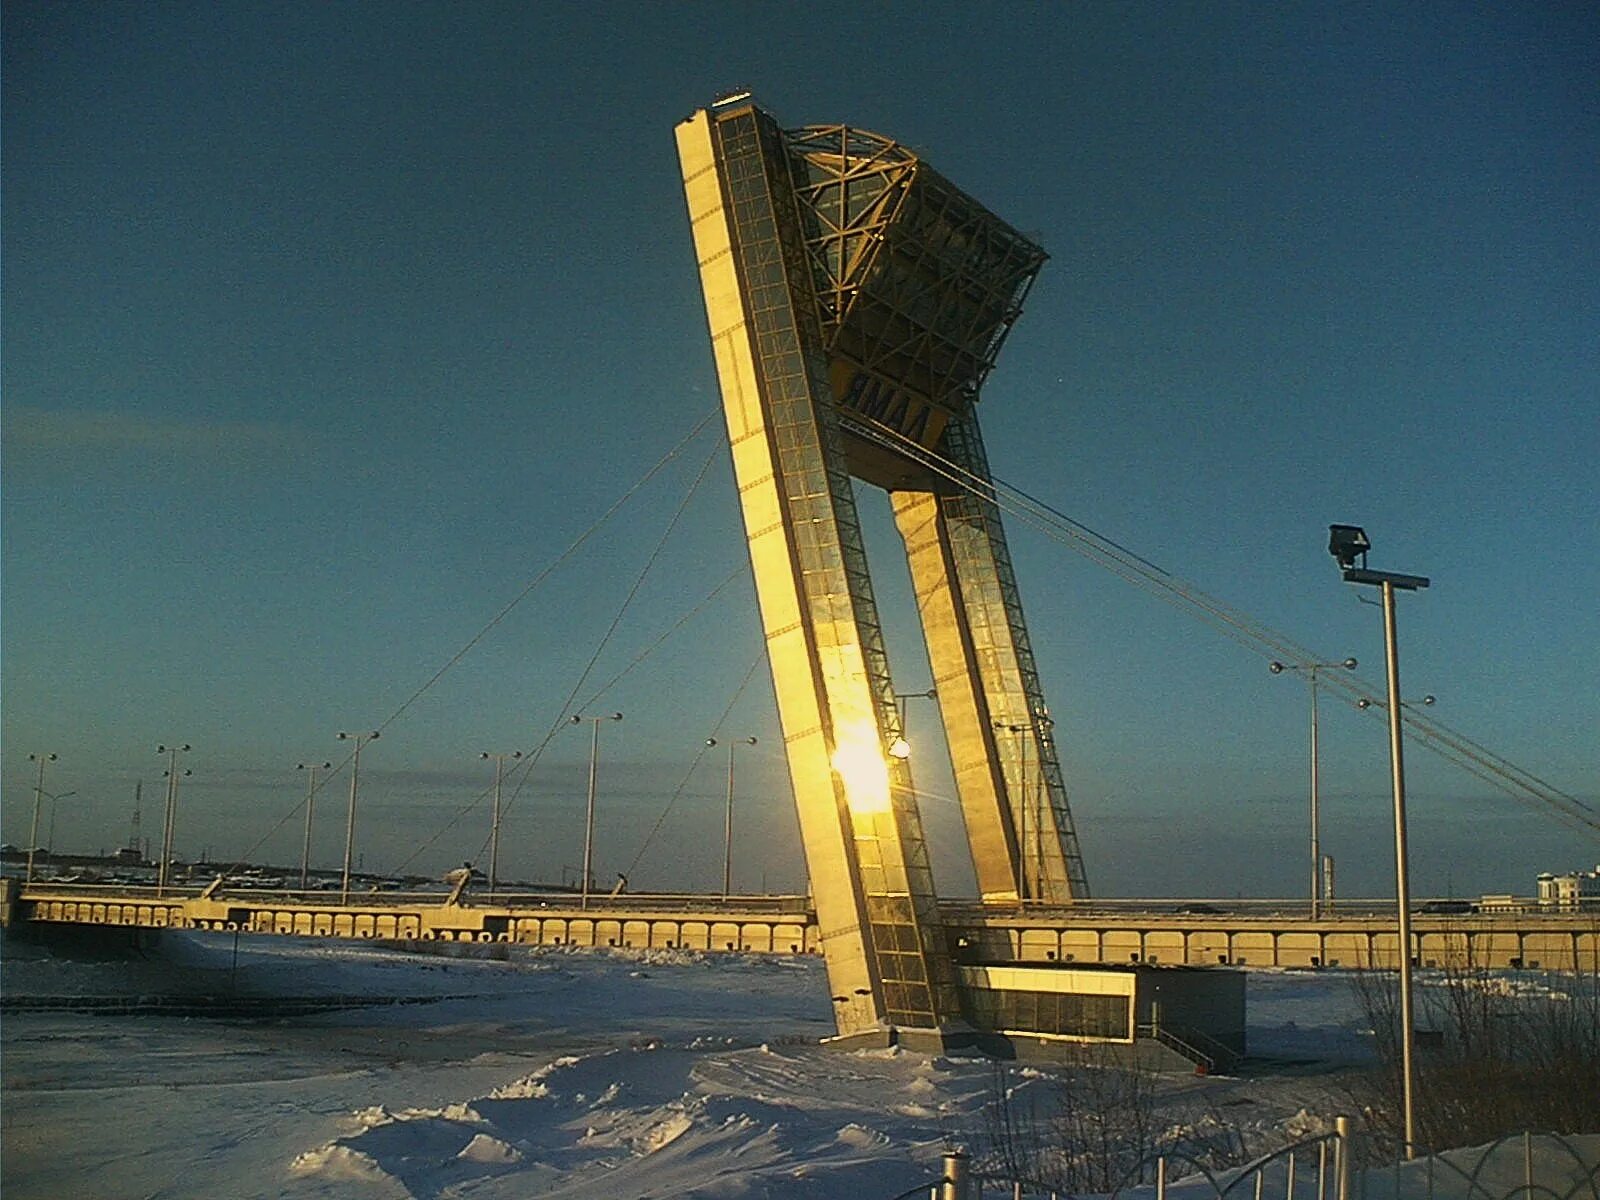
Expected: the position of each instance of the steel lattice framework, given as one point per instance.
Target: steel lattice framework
(857, 301)
(915, 279)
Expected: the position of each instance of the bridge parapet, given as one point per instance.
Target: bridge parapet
(782, 925)
(1247, 936)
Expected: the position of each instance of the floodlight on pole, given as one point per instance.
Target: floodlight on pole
(360, 739)
(588, 820)
(38, 794)
(1309, 670)
(727, 823)
(494, 820)
(1367, 702)
(1346, 543)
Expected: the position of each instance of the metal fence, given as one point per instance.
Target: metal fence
(1339, 1165)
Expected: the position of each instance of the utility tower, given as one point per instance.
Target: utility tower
(857, 301)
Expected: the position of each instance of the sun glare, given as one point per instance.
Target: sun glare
(860, 763)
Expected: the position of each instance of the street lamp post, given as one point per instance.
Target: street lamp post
(38, 795)
(1426, 702)
(1310, 671)
(494, 820)
(1023, 844)
(1346, 543)
(900, 699)
(727, 824)
(50, 839)
(169, 822)
(588, 819)
(311, 801)
(360, 739)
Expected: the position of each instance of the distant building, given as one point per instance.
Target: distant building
(1501, 902)
(1575, 889)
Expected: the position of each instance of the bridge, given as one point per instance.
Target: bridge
(856, 302)
(1265, 933)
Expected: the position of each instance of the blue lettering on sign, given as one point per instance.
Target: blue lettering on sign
(878, 401)
(918, 427)
(875, 400)
(852, 395)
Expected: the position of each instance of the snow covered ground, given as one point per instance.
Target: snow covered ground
(549, 1073)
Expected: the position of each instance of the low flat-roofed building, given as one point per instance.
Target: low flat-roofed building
(1500, 902)
(1043, 1009)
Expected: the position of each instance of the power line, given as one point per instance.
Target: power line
(1254, 635)
(699, 755)
(538, 751)
(500, 616)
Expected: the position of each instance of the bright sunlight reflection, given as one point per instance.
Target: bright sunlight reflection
(860, 763)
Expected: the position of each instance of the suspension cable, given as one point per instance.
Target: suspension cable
(594, 658)
(527, 590)
(698, 757)
(704, 603)
(1254, 635)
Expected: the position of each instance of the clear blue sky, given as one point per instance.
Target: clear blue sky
(328, 327)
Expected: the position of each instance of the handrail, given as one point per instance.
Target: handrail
(1171, 1040)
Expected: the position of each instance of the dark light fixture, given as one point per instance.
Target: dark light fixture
(1348, 542)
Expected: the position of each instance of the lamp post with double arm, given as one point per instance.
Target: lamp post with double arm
(311, 803)
(727, 822)
(494, 819)
(169, 822)
(1025, 732)
(1309, 670)
(360, 739)
(588, 819)
(38, 795)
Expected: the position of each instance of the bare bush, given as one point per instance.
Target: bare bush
(1499, 1054)
(1096, 1125)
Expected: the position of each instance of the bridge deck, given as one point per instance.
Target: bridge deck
(1255, 934)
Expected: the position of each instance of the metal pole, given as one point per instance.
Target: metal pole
(1401, 869)
(1022, 788)
(167, 821)
(350, 823)
(1341, 1128)
(954, 1184)
(588, 820)
(1039, 730)
(33, 837)
(55, 803)
(305, 849)
(727, 832)
(1316, 836)
(494, 827)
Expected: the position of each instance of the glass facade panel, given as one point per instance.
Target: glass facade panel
(1059, 1014)
(851, 253)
